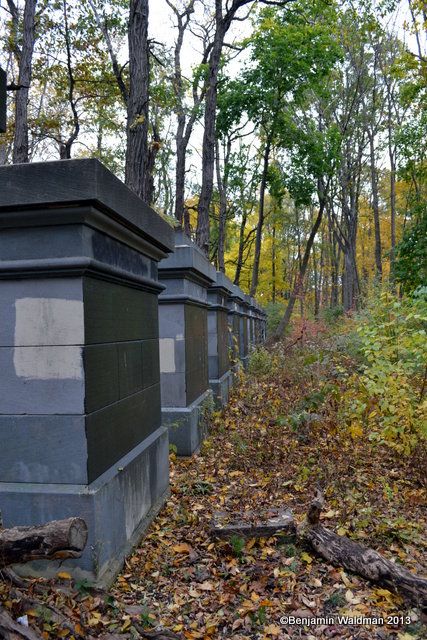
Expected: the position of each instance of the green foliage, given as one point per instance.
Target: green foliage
(237, 545)
(331, 315)
(275, 311)
(260, 362)
(411, 262)
(387, 398)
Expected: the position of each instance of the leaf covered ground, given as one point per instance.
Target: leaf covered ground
(280, 437)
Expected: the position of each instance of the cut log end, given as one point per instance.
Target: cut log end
(55, 540)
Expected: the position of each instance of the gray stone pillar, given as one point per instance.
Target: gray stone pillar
(2, 101)
(242, 312)
(220, 373)
(80, 419)
(252, 320)
(186, 395)
(238, 327)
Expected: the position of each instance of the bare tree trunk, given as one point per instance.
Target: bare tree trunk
(316, 282)
(258, 237)
(222, 189)
(241, 247)
(208, 154)
(137, 175)
(273, 263)
(65, 147)
(185, 124)
(392, 158)
(20, 143)
(283, 324)
(375, 206)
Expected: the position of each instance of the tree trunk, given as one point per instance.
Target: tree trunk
(375, 206)
(283, 324)
(56, 539)
(222, 189)
(367, 563)
(208, 154)
(180, 172)
(258, 237)
(137, 153)
(392, 158)
(241, 247)
(273, 264)
(20, 143)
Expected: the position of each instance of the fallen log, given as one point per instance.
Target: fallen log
(249, 525)
(357, 558)
(55, 540)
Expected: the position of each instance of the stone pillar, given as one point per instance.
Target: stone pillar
(252, 319)
(238, 327)
(80, 419)
(264, 325)
(243, 327)
(2, 101)
(186, 395)
(219, 360)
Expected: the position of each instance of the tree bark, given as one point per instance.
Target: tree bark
(137, 153)
(392, 158)
(273, 263)
(375, 206)
(208, 153)
(222, 189)
(299, 281)
(65, 147)
(260, 224)
(239, 264)
(113, 57)
(367, 563)
(20, 143)
(55, 540)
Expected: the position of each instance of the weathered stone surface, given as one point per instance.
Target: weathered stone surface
(183, 325)
(219, 361)
(117, 508)
(36, 185)
(80, 415)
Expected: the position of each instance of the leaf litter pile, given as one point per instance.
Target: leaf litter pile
(278, 440)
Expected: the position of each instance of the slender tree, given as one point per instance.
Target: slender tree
(24, 54)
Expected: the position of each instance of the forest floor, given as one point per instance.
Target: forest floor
(279, 438)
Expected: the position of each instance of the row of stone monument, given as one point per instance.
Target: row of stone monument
(116, 336)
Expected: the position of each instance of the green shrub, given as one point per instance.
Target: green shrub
(387, 397)
(332, 315)
(275, 311)
(260, 362)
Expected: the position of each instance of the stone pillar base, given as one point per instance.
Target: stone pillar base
(117, 507)
(187, 425)
(221, 389)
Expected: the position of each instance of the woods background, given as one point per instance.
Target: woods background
(288, 138)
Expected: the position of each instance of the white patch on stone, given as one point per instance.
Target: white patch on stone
(179, 336)
(48, 363)
(167, 355)
(48, 321)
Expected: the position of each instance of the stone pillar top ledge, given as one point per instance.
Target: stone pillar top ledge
(54, 193)
(188, 261)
